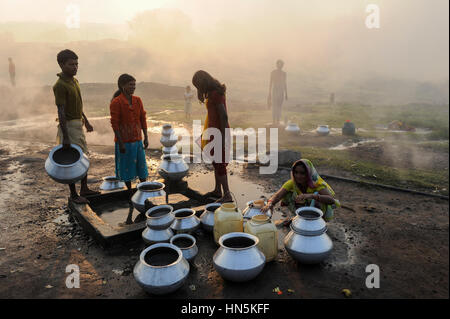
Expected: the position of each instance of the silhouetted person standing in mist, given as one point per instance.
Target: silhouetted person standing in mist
(70, 115)
(188, 102)
(277, 92)
(12, 72)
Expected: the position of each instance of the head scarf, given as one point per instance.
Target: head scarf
(315, 182)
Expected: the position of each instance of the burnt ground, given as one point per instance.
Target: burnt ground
(405, 234)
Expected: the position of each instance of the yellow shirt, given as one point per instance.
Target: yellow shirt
(67, 92)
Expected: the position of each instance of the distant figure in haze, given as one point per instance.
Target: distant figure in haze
(12, 72)
(71, 116)
(188, 101)
(277, 92)
(332, 101)
(128, 119)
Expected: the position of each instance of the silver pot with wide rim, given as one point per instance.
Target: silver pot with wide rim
(161, 269)
(168, 141)
(323, 130)
(207, 217)
(292, 128)
(170, 150)
(185, 221)
(253, 208)
(167, 130)
(307, 242)
(173, 167)
(147, 190)
(160, 217)
(111, 183)
(67, 166)
(238, 257)
(188, 245)
(153, 236)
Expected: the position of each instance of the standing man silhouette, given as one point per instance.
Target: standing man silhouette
(12, 72)
(277, 92)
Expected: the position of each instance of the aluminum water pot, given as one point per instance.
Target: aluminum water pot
(188, 245)
(160, 217)
(207, 217)
(67, 166)
(153, 236)
(147, 190)
(238, 257)
(170, 150)
(292, 128)
(161, 269)
(111, 183)
(168, 141)
(323, 130)
(173, 167)
(167, 130)
(185, 221)
(307, 242)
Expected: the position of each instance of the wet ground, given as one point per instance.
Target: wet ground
(406, 235)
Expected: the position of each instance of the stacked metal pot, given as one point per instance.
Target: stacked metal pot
(159, 219)
(172, 165)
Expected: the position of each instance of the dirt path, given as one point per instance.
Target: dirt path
(406, 235)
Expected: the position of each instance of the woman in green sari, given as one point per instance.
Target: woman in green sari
(304, 186)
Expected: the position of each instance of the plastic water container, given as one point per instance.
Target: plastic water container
(262, 227)
(227, 219)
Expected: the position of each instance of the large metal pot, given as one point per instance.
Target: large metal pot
(238, 257)
(307, 242)
(292, 128)
(254, 208)
(188, 245)
(323, 130)
(185, 221)
(167, 130)
(170, 150)
(152, 236)
(173, 167)
(168, 141)
(207, 217)
(147, 190)
(161, 269)
(67, 166)
(160, 217)
(111, 183)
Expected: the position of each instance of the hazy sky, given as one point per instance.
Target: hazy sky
(322, 40)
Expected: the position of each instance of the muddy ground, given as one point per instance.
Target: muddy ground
(406, 235)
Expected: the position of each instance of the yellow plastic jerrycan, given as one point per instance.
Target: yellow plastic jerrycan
(227, 219)
(262, 227)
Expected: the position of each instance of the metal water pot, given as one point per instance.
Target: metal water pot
(307, 242)
(173, 167)
(160, 217)
(161, 269)
(238, 257)
(147, 190)
(185, 221)
(188, 245)
(67, 166)
(167, 130)
(292, 128)
(170, 150)
(153, 236)
(207, 217)
(323, 130)
(168, 141)
(111, 183)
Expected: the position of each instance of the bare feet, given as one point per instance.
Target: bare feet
(79, 200)
(213, 194)
(225, 199)
(88, 192)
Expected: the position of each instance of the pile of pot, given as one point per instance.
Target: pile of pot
(168, 140)
(172, 166)
(164, 266)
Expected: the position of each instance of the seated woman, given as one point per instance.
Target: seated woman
(128, 120)
(304, 186)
